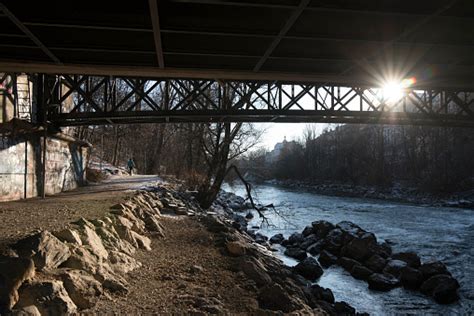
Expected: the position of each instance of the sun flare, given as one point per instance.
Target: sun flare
(393, 91)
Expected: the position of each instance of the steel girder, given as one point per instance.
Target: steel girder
(71, 100)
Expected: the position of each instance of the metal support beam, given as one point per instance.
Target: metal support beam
(289, 23)
(178, 100)
(28, 33)
(155, 20)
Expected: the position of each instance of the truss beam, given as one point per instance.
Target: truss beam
(72, 100)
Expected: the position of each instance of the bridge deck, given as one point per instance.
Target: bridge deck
(332, 41)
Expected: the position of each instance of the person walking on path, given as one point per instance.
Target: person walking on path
(130, 166)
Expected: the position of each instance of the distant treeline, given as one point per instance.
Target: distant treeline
(435, 159)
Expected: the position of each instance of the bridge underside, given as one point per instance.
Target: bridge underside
(108, 62)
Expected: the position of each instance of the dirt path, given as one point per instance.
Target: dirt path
(19, 218)
(183, 273)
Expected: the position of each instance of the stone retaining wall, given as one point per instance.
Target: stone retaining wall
(21, 166)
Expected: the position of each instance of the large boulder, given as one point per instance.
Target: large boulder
(382, 282)
(134, 222)
(122, 263)
(49, 297)
(327, 259)
(274, 297)
(277, 239)
(308, 241)
(433, 268)
(68, 235)
(394, 267)
(411, 258)
(308, 230)
(360, 272)
(13, 272)
(321, 293)
(360, 248)
(295, 239)
(46, 250)
(256, 271)
(315, 248)
(333, 241)
(411, 278)
(322, 228)
(446, 292)
(295, 252)
(376, 263)
(309, 268)
(83, 288)
(142, 242)
(260, 238)
(428, 287)
(113, 242)
(383, 250)
(347, 263)
(90, 238)
(351, 231)
(152, 224)
(343, 308)
(350, 227)
(82, 258)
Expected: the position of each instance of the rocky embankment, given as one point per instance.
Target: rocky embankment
(358, 252)
(280, 288)
(67, 271)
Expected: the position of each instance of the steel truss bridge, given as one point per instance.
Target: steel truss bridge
(94, 100)
(113, 62)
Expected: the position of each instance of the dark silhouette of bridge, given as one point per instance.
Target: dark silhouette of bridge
(107, 62)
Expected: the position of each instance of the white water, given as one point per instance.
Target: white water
(435, 233)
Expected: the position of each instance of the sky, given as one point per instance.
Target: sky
(276, 132)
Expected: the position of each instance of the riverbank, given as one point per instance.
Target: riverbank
(434, 233)
(396, 193)
(152, 252)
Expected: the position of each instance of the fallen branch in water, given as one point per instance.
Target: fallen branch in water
(248, 189)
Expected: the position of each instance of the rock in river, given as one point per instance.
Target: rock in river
(296, 253)
(315, 248)
(360, 272)
(309, 268)
(433, 268)
(409, 257)
(322, 228)
(394, 267)
(326, 259)
(411, 278)
(277, 239)
(376, 263)
(382, 282)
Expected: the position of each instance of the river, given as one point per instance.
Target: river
(435, 233)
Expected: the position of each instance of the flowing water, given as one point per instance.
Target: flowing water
(435, 233)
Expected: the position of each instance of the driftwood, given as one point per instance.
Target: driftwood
(248, 189)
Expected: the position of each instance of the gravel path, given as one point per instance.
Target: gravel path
(185, 272)
(20, 218)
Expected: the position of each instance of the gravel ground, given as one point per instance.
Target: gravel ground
(183, 273)
(20, 218)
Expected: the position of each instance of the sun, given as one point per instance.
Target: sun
(393, 90)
